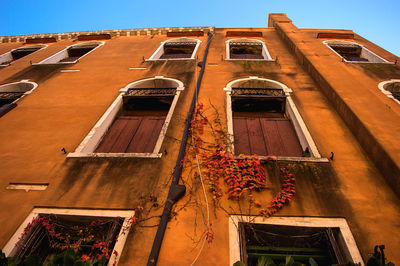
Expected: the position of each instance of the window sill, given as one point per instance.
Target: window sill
(262, 60)
(114, 155)
(171, 59)
(54, 64)
(293, 159)
(364, 62)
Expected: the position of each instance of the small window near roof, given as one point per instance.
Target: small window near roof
(353, 52)
(15, 54)
(247, 49)
(391, 88)
(181, 48)
(72, 53)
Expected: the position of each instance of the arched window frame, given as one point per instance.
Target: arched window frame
(6, 58)
(265, 53)
(382, 85)
(55, 59)
(160, 50)
(3, 88)
(369, 54)
(301, 130)
(88, 146)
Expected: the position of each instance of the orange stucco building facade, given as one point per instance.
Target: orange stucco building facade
(78, 138)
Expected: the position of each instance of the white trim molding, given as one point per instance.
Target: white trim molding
(118, 247)
(365, 53)
(346, 237)
(56, 58)
(160, 50)
(300, 127)
(7, 59)
(88, 146)
(384, 84)
(265, 52)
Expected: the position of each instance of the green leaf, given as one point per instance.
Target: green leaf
(239, 263)
(265, 261)
(312, 262)
(289, 261)
(33, 260)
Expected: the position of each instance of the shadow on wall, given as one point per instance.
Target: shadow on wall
(107, 178)
(37, 74)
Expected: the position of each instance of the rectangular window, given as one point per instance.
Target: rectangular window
(92, 234)
(301, 243)
(328, 241)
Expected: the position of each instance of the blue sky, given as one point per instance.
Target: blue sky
(376, 20)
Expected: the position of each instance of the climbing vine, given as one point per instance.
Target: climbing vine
(231, 175)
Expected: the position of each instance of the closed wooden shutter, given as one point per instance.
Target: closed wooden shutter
(132, 134)
(265, 136)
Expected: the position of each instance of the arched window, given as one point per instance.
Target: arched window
(262, 119)
(137, 121)
(246, 49)
(391, 88)
(180, 48)
(353, 52)
(15, 54)
(73, 53)
(10, 93)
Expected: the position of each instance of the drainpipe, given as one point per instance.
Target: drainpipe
(177, 191)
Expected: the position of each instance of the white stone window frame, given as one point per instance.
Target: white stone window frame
(3, 88)
(7, 57)
(382, 85)
(160, 50)
(365, 53)
(300, 127)
(265, 52)
(55, 59)
(88, 146)
(118, 247)
(345, 233)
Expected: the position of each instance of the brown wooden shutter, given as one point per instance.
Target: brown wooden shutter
(265, 136)
(132, 134)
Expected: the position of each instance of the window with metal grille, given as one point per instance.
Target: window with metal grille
(247, 49)
(180, 48)
(323, 244)
(15, 54)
